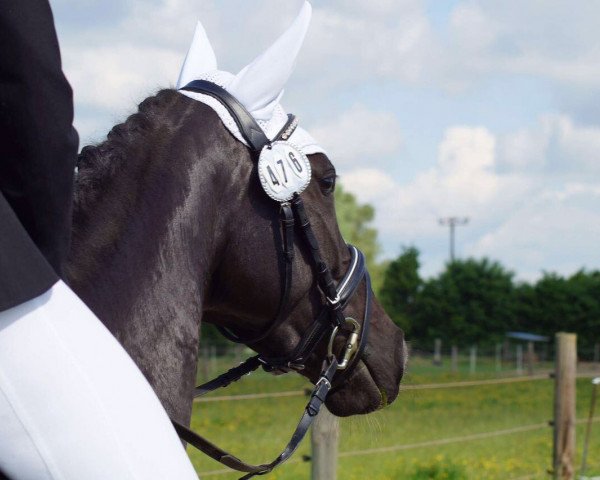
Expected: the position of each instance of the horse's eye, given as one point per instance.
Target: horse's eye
(327, 185)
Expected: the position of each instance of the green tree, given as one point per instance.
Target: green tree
(470, 302)
(401, 285)
(527, 309)
(556, 303)
(354, 220)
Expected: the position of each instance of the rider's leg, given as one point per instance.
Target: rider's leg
(73, 405)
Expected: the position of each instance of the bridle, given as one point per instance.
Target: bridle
(330, 320)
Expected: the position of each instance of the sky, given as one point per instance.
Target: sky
(428, 108)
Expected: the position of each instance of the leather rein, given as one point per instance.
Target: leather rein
(329, 322)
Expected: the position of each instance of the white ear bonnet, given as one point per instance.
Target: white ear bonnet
(258, 86)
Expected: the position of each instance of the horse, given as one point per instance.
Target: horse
(171, 228)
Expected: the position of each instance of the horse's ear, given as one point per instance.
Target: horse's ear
(199, 59)
(259, 85)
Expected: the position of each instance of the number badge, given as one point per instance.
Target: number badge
(283, 170)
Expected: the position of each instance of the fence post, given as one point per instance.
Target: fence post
(588, 429)
(454, 359)
(597, 352)
(324, 442)
(473, 359)
(205, 363)
(530, 357)
(506, 351)
(498, 357)
(437, 352)
(213, 359)
(564, 406)
(519, 359)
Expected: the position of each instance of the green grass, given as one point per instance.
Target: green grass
(256, 430)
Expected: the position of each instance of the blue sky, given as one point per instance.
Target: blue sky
(428, 108)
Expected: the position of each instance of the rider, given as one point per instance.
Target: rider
(73, 405)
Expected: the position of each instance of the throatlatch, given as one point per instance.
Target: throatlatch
(284, 172)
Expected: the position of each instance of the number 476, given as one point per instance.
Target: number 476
(295, 162)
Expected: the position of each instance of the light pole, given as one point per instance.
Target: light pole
(453, 222)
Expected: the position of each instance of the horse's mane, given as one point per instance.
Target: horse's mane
(98, 164)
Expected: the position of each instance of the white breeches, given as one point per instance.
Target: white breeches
(73, 405)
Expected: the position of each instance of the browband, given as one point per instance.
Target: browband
(249, 128)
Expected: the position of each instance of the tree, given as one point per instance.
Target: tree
(470, 302)
(353, 220)
(556, 304)
(401, 285)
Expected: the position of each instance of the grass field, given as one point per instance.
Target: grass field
(256, 430)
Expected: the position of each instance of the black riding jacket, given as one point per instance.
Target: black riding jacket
(38, 149)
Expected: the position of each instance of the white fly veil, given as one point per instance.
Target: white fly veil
(258, 86)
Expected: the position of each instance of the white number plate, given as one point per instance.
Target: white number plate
(283, 170)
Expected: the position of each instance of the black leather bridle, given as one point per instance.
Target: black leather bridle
(330, 321)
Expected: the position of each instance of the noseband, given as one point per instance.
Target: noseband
(330, 321)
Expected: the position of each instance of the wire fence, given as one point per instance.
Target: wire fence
(430, 443)
(506, 359)
(427, 386)
(456, 368)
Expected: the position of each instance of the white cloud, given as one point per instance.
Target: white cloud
(466, 160)
(462, 182)
(373, 184)
(367, 40)
(396, 40)
(472, 29)
(349, 42)
(114, 77)
(531, 194)
(352, 42)
(526, 220)
(358, 134)
(113, 65)
(549, 229)
(554, 145)
(550, 39)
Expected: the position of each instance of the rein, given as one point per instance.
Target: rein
(330, 321)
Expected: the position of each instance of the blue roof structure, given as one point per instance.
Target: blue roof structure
(527, 337)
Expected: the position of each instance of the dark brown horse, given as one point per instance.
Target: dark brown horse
(171, 228)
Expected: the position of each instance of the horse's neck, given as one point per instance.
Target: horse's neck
(142, 261)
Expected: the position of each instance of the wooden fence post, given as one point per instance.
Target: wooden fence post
(530, 357)
(437, 352)
(498, 357)
(519, 359)
(564, 406)
(324, 442)
(205, 363)
(213, 359)
(473, 359)
(454, 361)
(588, 429)
(506, 351)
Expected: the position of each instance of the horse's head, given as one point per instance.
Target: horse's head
(247, 294)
